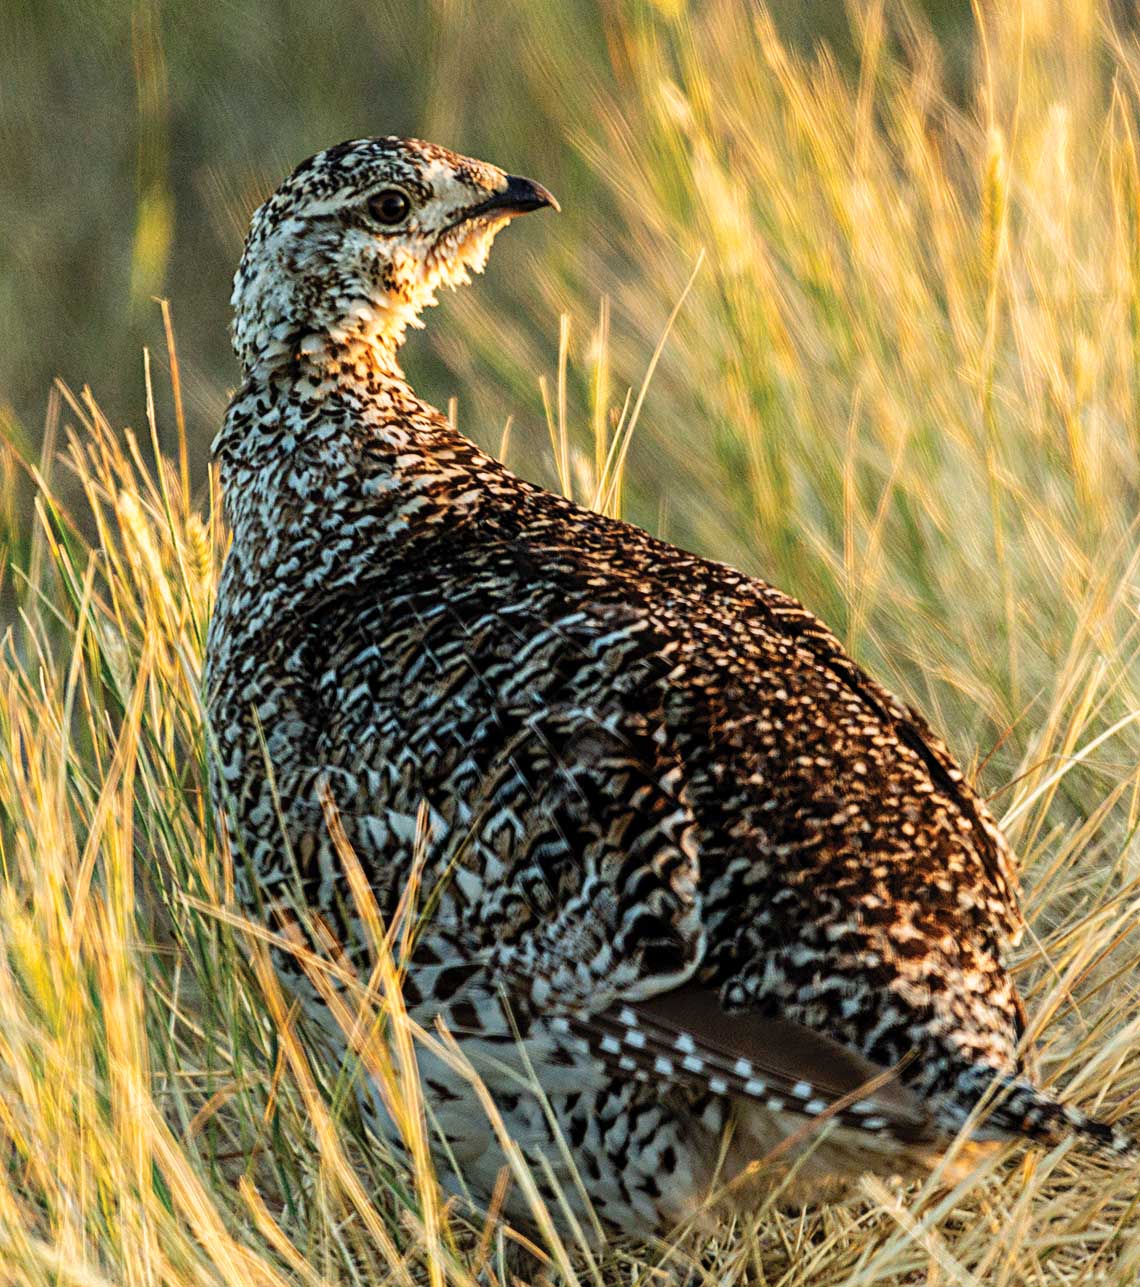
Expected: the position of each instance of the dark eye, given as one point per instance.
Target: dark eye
(389, 206)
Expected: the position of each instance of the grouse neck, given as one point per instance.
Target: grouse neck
(328, 360)
(336, 442)
(323, 387)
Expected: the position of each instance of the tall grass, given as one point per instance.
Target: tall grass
(901, 380)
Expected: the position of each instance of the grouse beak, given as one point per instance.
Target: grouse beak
(519, 196)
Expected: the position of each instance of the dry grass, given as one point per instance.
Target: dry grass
(903, 383)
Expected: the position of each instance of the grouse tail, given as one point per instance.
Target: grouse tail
(1015, 1107)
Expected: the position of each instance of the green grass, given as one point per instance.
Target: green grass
(903, 382)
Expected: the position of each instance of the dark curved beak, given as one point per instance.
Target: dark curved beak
(519, 196)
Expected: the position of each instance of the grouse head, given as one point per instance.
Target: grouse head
(356, 241)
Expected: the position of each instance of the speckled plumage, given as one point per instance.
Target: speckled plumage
(712, 875)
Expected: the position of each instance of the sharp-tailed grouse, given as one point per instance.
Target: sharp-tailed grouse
(709, 875)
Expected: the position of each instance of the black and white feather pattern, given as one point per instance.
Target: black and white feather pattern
(780, 1065)
(713, 877)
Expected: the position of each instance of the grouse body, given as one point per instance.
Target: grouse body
(683, 858)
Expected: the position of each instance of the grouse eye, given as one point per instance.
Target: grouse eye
(389, 206)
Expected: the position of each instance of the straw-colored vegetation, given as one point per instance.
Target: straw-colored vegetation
(904, 383)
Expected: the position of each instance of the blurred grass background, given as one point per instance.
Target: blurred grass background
(904, 384)
(136, 136)
(848, 324)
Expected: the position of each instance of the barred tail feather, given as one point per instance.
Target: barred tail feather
(1017, 1108)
